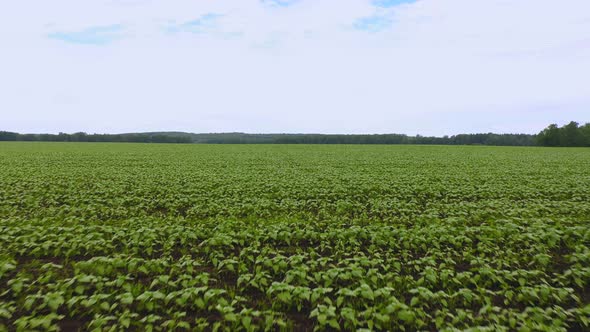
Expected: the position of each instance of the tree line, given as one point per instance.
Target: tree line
(463, 139)
(571, 134)
(84, 137)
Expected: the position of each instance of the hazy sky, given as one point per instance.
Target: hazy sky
(431, 67)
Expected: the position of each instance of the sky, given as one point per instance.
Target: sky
(428, 67)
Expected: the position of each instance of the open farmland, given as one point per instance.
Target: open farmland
(254, 237)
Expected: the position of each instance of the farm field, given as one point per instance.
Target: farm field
(115, 236)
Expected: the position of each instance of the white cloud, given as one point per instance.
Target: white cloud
(440, 67)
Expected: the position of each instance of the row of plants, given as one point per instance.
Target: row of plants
(249, 238)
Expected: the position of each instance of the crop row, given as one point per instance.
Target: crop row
(110, 237)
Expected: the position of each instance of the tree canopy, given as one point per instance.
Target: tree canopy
(571, 134)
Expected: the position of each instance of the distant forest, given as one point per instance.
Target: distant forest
(571, 134)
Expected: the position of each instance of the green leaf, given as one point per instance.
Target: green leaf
(200, 303)
(406, 316)
(126, 298)
(246, 321)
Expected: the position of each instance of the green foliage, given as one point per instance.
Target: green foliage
(243, 138)
(571, 134)
(266, 238)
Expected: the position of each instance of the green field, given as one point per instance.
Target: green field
(293, 237)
